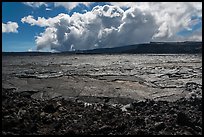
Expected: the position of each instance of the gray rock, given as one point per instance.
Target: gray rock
(127, 107)
(46, 95)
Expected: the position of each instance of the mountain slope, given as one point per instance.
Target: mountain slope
(145, 48)
(153, 48)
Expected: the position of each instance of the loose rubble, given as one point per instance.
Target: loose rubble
(24, 115)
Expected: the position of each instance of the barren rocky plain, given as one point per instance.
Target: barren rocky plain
(127, 94)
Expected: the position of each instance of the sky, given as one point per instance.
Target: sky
(68, 26)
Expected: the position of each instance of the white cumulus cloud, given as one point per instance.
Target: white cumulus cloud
(10, 27)
(70, 5)
(35, 4)
(66, 5)
(111, 26)
(48, 9)
(42, 22)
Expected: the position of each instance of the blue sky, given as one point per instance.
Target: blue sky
(25, 38)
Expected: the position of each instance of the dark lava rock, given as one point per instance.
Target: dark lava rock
(192, 86)
(49, 108)
(105, 128)
(159, 125)
(29, 116)
(140, 103)
(183, 119)
(27, 93)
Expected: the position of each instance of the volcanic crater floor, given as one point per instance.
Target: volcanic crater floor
(102, 94)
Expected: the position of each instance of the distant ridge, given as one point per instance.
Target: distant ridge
(188, 47)
(153, 48)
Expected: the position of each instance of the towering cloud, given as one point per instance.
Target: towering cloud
(10, 27)
(111, 26)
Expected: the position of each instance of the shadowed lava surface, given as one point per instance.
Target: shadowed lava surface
(102, 94)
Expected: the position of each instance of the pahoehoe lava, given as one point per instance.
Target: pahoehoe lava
(122, 94)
